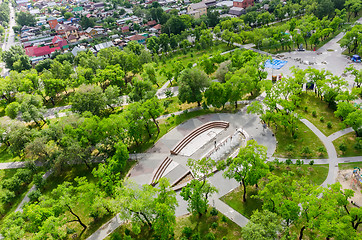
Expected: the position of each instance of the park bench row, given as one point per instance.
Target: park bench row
(203, 128)
(160, 170)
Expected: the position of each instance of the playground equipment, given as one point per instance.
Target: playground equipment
(356, 178)
(356, 58)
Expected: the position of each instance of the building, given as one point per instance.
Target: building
(101, 46)
(243, 3)
(44, 52)
(197, 9)
(53, 22)
(139, 38)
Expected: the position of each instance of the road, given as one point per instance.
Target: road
(9, 38)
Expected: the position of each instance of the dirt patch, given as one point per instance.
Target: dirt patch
(345, 177)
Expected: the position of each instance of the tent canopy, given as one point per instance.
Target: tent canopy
(275, 63)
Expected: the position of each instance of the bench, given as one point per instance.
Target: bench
(157, 174)
(203, 128)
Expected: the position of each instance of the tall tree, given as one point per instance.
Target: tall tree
(192, 84)
(249, 166)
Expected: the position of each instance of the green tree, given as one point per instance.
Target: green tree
(192, 84)
(25, 18)
(17, 55)
(249, 166)
(88, 98)
(142, 90)
(262, 225)
(217, 95)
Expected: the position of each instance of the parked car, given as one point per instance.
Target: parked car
(356, 58)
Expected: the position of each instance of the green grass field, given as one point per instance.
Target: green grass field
(316, 174)
(349, 140)
(313, 103)
(203, 226)
(305, 138)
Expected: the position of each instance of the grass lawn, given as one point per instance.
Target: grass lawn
(235, 200)
(313, 103)
(288, 147)
(349, 140)
(316, 174)
(225, 228)
(344, 166)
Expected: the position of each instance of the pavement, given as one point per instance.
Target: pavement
(10, 38)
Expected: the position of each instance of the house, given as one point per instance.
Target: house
(77, 50)
(151, 23)
(139, 38)
(96, 31)
(210, 3)
(101, 46)
(59, 42)
(99, 5)
(68, 31)
(125, 29)
(243, 3)
(36, 51)
(34, 11)
(155, 29)
(53, 22)
(197, 9)
(22, 2)
(237, 11)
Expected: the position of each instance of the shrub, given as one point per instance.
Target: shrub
(214, 212)
(34, 195)
(187, 232)
(321, 119)
(210, 236)
(305, 151)
(196, 236)
(290, 147)
(305, 109)
(6, 196)
(343, 147)
(329, 124)
(358, 144)
(288, 161)
(314, 113)
(24, 175)
(224, 218)
(271, 166)
(39, 180)
(322, 150)
(311, 162)
(214, 225)
(298, 162)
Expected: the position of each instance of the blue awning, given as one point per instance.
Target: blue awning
(276, 64)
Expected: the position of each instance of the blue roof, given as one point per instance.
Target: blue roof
(276, 64)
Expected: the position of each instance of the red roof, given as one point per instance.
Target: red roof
(157, 27)
(151, 23)
(39, 51)
(125, 28)
(136, 37)
(57, 39)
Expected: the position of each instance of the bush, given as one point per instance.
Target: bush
(210, 236)
(196, 236)
(321, 119)
(298, 162)
(305, 151)
(329, 124)
(288, 161)
(322, 150)
(290, 147)
(187, 232)
(305, 109)
(116, 236)
(224, 218)
(39, 180)
(314, 113)
(358, 144)
(6, 196)
(311, 162)
(214, 212)
(214, 225)
(343, 147)
(34, 195)
(24, 175)
(271, 166)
